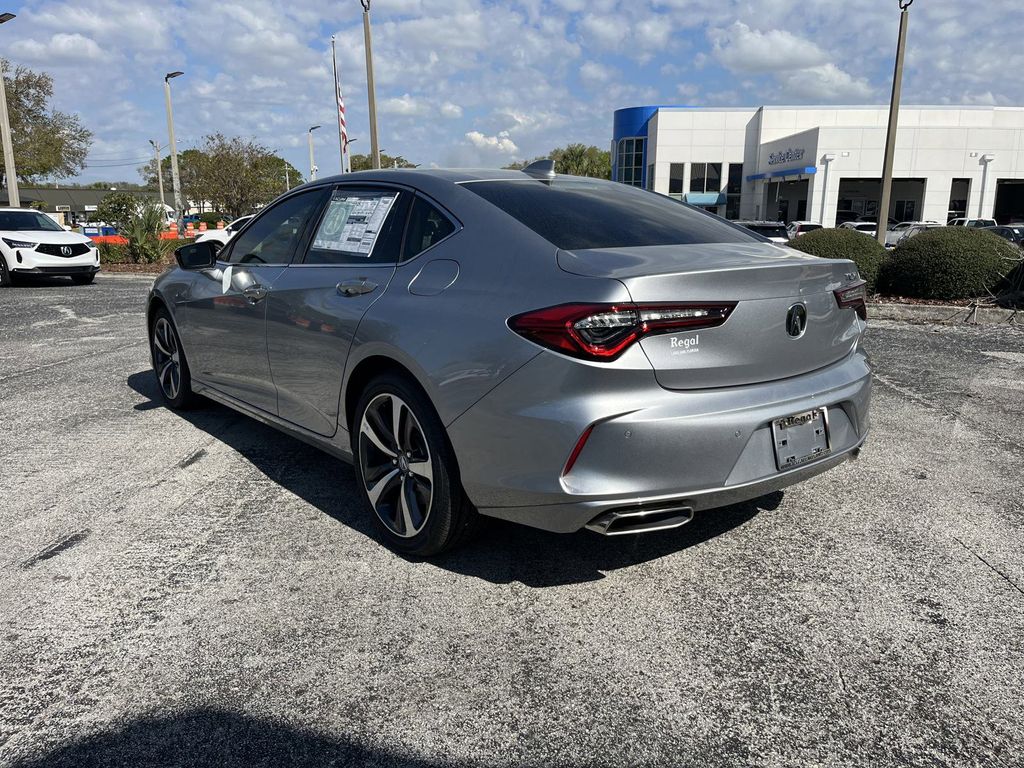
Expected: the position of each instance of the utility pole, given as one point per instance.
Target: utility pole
(374, 150)
(312, 164)
(175, 178)
(287, 177)
(894, 113)
(159, 171)
(10, 172)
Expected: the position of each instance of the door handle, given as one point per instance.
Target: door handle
(356, 287)
(255, 293)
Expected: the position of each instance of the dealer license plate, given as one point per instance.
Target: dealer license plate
(801, 438)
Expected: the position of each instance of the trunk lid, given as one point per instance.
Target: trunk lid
(755, 344)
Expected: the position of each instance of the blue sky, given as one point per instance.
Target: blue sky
(475, 82)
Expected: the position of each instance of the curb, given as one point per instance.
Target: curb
(943, 313)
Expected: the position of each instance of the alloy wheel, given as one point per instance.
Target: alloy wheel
(395, 464)
(166, 358)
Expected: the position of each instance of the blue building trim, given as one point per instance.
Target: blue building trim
(631, 123)
(806, 171)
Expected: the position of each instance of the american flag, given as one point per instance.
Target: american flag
(342, 127)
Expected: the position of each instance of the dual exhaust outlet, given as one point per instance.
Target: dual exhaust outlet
(629, 520)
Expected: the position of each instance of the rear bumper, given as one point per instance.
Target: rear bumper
(648, 447)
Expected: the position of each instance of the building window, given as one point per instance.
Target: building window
(630, 165)
(675, 179)
(650, 177)
(732, 191)
(959, 193)
(706, 177)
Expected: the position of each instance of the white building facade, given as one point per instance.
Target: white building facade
(824, 164)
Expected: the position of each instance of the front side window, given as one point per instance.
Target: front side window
(359, 226)
(427, 227)
(274, 235)
(574, 213)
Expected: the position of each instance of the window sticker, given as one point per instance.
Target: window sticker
(352, 223)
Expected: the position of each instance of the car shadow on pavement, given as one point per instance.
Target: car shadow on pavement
(213, 737)
(501, 553)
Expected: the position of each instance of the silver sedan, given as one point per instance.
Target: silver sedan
(557, 351)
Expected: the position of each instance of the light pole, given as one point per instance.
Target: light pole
(312, 165)
(159, 171)
(985, 160)
(175, 178)
(10, 172)
(894, 112)
(374, 150)
(827, 162)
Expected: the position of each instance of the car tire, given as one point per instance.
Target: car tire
(83, 279)
(169, 363)
(6, 278)
(409, 483)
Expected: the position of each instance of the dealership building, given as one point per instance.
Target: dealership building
(824, 163)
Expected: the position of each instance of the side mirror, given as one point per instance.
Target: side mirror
(197, 255)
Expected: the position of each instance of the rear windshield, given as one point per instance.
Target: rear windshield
(27, 221)
(768, 230)
(574, 214)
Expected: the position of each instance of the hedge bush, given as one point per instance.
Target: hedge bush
(863, 250)
(949, 263)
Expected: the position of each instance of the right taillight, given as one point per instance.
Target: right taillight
(604, 331)
(855, 297)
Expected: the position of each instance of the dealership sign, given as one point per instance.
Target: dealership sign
(786, 156)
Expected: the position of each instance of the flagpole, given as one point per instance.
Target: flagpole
(337, 105)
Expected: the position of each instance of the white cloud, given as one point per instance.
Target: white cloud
(403, 105)
(742, 49)
(594, 74)
(501, 143)
(450, 110)
(65, 49)
(827, 83)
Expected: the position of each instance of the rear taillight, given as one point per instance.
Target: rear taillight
(604, 331)
(855, 297)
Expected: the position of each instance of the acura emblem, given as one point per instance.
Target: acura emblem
(65, 250)
(796, 320)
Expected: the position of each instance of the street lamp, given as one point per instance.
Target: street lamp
(312, 165)
(827, 162)
(175, 178)
(159, 170)
(985, 160)
(894, 111)
(10, 172)
(371, 94)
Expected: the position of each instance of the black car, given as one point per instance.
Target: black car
(1012, 232)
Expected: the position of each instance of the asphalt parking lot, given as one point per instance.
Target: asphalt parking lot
(201, 590)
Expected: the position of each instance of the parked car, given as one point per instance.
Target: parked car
(223, 235)
(909, 232)
(797, 228)
(558, 351)
(32, 243)
(978, 223)
(861, 226)
(891, 222)
(895, 233)
(773, 230)
(844, 216)
(1013, 233)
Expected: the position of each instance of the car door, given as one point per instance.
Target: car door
(223, 319)
(317, 303)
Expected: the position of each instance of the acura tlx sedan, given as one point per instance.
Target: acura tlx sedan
(31, 243)
(561, 352)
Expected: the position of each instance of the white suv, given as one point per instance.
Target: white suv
(31, 243)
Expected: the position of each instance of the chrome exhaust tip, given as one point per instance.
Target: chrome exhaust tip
(629, 520)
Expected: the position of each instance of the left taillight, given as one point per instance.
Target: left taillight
(855, 297)
(604, 331)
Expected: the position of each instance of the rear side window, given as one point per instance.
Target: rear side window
(767, 230)
(427, 227)
(359, 226)
(574, 214)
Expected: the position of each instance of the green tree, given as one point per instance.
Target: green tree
(363, 162)
(575, 160)
(47, 143)
(117, 209)
(230, 175)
